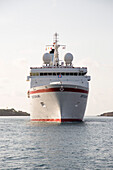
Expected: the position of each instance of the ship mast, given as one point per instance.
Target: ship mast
(56, 46)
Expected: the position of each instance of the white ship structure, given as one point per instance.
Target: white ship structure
(58, 90)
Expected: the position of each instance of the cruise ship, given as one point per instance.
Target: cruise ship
(58, 90)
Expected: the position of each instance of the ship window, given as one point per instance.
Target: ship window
(45, 74)
(49, 74)
(41, 74)
(54, 74)
(75, 74)
(62, 74)
(81, 74)
(33, 74)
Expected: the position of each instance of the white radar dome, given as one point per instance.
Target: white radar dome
(68, 58)
(47, 58)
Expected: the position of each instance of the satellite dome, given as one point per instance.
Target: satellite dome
(47, 58)
(68, 58)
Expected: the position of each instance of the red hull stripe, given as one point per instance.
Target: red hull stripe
(59, 90)
(56, 120)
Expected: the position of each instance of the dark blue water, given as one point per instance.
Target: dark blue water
(26, 145)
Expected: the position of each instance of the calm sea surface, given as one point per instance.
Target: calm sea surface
(26, 145)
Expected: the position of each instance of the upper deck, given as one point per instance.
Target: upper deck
(50, 74)
(54, 69)
(63, 70)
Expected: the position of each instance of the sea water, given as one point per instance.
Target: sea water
(84, 145)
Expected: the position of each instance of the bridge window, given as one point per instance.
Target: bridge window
(49, 74)
(34, 74)
(57, 73)
(45, 74)
(62, 74)
(75, 74)
(54, 74)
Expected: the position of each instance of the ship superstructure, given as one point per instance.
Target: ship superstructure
(58, 92)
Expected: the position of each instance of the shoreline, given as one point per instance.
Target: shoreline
(12, 112)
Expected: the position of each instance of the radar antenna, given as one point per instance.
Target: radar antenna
(56, 46)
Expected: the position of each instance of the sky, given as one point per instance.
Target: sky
(84, 26)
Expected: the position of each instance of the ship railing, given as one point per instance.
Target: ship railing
(79, 68)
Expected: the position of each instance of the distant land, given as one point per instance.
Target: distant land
(107, 114)
(12, 112)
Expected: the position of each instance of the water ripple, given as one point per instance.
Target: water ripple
(86, 146)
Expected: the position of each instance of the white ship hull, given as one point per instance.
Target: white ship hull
(59, 103)
(58, 90)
